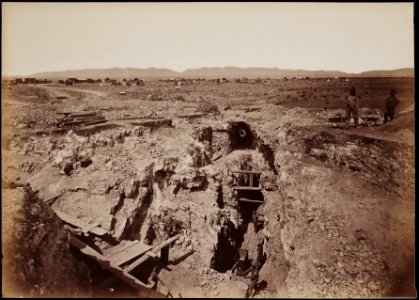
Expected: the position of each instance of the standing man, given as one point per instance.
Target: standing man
(391, 104)
(352, 107)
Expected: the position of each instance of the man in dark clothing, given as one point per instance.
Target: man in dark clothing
(352, 107)
(391, 104)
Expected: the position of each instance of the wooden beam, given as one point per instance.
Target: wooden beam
(152, 254)
(146, 256)
(247, 188)
(246, 172)
(250, 200)
(128, 253)
(120, 247)
(143, 289)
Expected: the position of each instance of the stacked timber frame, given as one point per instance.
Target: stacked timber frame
(247, 180)
(120, 260)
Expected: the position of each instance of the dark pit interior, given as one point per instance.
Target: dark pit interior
(240, 136)
(230, 238)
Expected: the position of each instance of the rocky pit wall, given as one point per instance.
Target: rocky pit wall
(36, 257)
(331, 227)
(346, 213)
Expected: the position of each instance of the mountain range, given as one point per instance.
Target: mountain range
(213, 72)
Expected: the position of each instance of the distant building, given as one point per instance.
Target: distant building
(29, 80)
(43, 81)
(73, 80)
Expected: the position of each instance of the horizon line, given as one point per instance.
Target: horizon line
(206, 67)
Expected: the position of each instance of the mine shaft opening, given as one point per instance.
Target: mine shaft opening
(232, 240)
(229, 241)
(247, 208)
(240, 136)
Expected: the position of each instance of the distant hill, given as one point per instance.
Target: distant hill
(406, 72)
(228, 72)
(116, 73)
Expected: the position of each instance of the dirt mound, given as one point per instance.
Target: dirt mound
(29, 94)
(404, 121)
(37, 261)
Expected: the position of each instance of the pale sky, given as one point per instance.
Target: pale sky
(351, 37)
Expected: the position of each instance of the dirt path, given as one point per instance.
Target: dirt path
(55, 92)
(92, 92)
(63, 91)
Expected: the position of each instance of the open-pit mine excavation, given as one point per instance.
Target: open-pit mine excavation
(199, 190)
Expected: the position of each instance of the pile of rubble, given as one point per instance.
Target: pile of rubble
(77, 119)
(208, 107)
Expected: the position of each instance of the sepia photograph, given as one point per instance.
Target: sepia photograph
(208, 150)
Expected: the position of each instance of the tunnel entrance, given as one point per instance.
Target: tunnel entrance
(235, 240)
(249, 202)
(240, 136)
(229, 241)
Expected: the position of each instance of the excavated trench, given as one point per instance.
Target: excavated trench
(230, 238)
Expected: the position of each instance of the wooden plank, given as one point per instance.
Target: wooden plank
(250, 200)
(128, 253)
(246, 172)
(77, 223)
(118, 248)
(152, 254)
(145, 290)
(146, 256)
(247, 188)
(251, 179)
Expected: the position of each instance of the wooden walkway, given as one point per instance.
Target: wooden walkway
(121, 259)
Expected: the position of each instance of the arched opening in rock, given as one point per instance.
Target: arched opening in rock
(240, 136)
